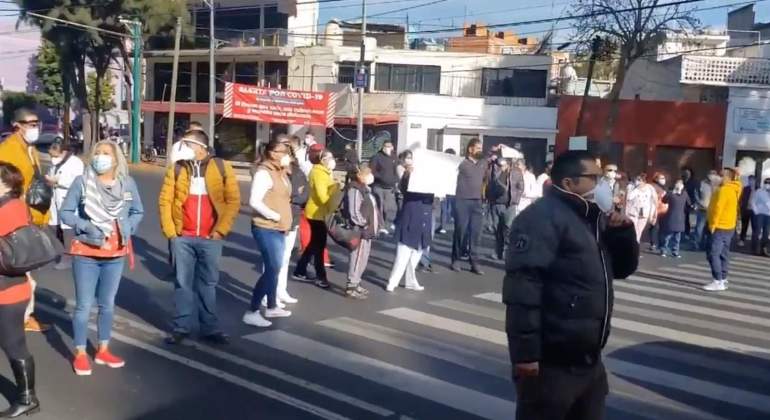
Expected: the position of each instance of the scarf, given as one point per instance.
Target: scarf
(102, 203)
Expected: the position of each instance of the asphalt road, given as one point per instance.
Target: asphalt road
(675, 352)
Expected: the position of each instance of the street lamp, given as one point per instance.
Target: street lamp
(212, 72)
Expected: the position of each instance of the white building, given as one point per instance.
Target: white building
(438, 100)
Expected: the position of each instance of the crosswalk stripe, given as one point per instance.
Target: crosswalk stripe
(717, 313)
(447, 324)
(396, 377)
(705, 278)
(419, 344)
(667, 333)
(478, 310)
(704, 274)
(662, 285)
(751, 266)
(640, 372)
(754, 260)
(748, 278)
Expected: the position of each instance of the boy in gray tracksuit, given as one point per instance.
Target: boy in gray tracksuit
(363, 215)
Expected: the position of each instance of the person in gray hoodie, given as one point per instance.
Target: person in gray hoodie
(701, 204)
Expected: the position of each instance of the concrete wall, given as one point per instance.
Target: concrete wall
(741, 134)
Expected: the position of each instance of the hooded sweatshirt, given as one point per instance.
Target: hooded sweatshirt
(723, 209)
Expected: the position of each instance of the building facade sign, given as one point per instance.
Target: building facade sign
(280, 106)
(752, 121)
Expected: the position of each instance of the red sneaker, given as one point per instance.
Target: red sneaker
(106, 358)
(81, 365)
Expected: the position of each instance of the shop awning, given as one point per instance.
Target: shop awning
(368, 120)
(181, 107)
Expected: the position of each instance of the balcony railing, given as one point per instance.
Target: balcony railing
(725, 71)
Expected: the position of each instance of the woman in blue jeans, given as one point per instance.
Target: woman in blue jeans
(271, 201)
(104, 208)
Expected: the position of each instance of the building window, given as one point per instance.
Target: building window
(346, 72)
(162, 82)
(436, 139)
(225, 72)
(520, 83)
(408, 78)
(247, 73)
(276, 73)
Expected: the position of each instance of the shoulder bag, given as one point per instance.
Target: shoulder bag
(27, 248)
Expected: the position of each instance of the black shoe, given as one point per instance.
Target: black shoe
(26, 401)
(218, 339)
(323, 284)
(302, 277)
(177, 338)
(353, 293)
(455, 268)
(476, 271)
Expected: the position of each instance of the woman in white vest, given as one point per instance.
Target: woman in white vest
(641, 204)
(65, 167)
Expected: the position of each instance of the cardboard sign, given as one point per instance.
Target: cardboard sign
(434, 173)
(280, 106)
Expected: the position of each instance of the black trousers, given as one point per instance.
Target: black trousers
(12, 338)
(469, 218)
(315, 250)
(747, 217)
(655, 235)
(563, 393)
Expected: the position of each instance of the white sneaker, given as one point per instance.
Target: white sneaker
(277, 313)
(417, 288)
(390, 289)
(278, 302)
(715, 286)
(256, 320)
(288, 299)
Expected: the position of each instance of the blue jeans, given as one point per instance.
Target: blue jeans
(426, 260)
(700, 228)
(719, 253)
(670, 244)
(196, 262)
(270, 244)
(447, 210)
(760, 233)
(95, 278)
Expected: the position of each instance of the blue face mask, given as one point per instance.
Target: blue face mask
(102, 163)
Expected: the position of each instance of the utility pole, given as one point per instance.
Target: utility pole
(362, 73)
(136, 30)
(212, 74)
(172, 103)
(595, 46)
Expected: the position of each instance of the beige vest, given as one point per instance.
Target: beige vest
(278, 198)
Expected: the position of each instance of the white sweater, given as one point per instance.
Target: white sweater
(760, 202)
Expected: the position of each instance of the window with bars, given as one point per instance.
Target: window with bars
(408, 78)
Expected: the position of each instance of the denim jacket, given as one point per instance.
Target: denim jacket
(73, 214)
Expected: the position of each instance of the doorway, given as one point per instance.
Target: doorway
(753, 162)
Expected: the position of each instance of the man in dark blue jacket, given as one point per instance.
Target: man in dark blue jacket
(565, 250)
(383, 166)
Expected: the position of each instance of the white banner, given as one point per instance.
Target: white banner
(434, 173)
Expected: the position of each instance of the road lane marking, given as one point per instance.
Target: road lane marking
(419, 344)
(294, 380)
(478, 310)
(703, 278)
(734, 276)
(663, 284)
(447, 324)
(393, 376)
(217, 373)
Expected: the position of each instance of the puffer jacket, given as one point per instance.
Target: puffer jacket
(15, 151)
(222, 190)
(723, 209)
(322, 190)
(558, 290)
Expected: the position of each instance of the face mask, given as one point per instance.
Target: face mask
(767, 187)
(678, 188)
(183, 152)
(408, 162)
(662, 181)
(369, 180)
(331, 164)
(611, 175)
(102, 164)
(715, 179)
(56, 160)
(601, 195)
(4, 190)
(387, 151)
(32, 135)
(285, 161)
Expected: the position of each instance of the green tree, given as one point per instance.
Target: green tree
(105, 101)
(102, 45)
(15, 100)
(49, 91)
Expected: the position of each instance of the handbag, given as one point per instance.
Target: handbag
(341, 233)
(28, 248)
(40, 194)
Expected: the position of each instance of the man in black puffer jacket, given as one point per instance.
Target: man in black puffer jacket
(565, 250)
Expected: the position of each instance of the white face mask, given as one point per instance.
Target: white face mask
(611, 175)
(31, 135)
(4, 189)
(369, 180)
(182, 152)
(285, 161)
(602, 196)
(767, 187)
(715, 179)
(57, 160)
(331, 164)
(678, 188)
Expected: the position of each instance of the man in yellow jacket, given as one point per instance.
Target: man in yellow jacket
(722, 219)
(18, 149)
(199, 202)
